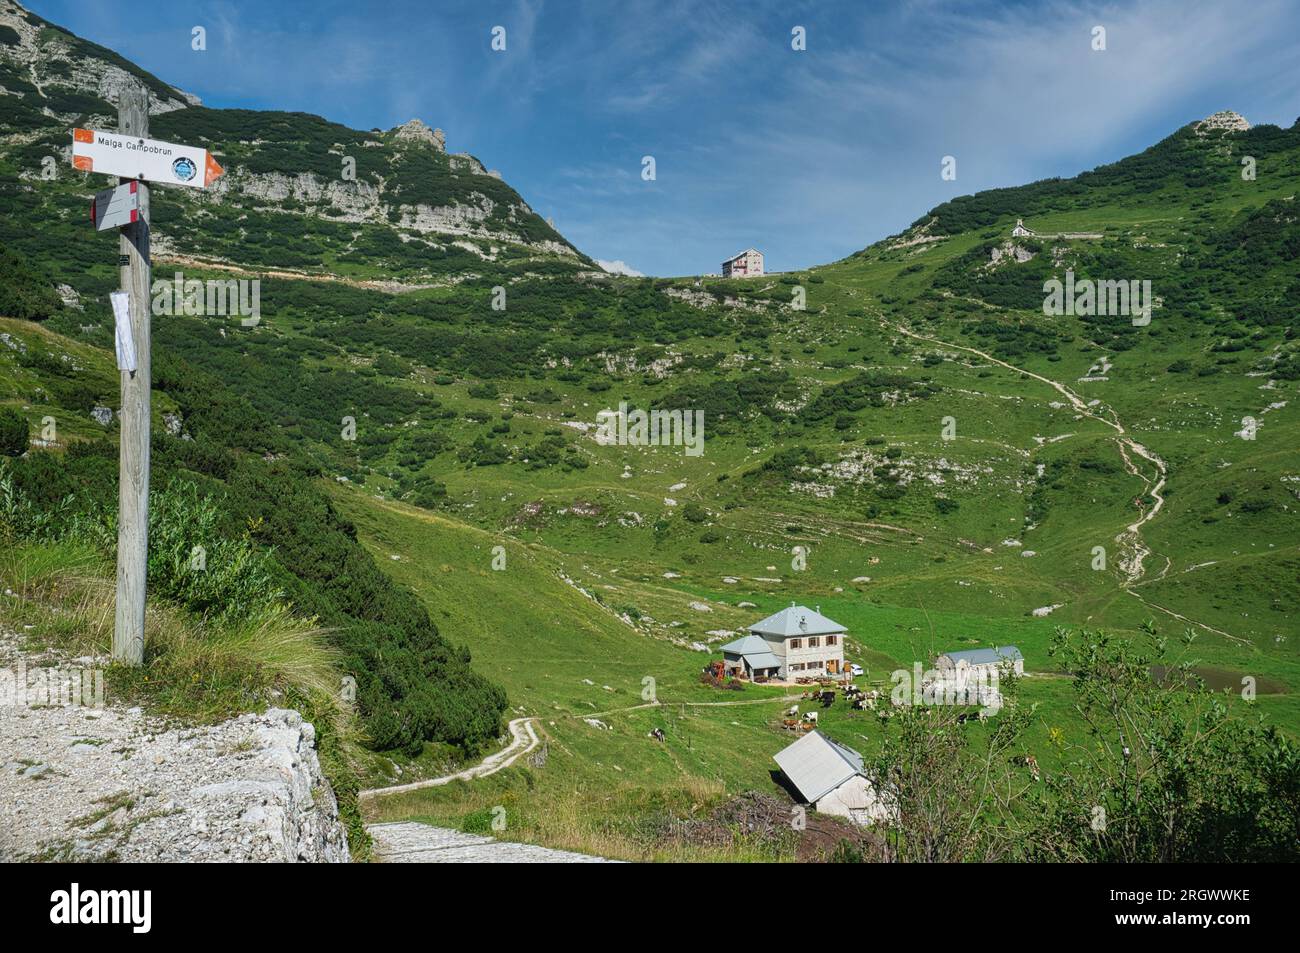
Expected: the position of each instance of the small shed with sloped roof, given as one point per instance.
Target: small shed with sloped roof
(830, 777)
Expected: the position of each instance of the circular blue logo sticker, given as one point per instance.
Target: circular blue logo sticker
(184, 169)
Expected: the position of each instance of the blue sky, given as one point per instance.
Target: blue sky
(806, 155)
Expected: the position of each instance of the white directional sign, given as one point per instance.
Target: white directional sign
(126, 360)
(114, 207)
(131, 157)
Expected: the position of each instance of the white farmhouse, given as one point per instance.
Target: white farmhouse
(745, 265)
(796, 642)
(829, 777)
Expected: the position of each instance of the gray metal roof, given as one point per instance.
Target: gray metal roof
(762, 660)
(1003, 653)
(748, 645)
(816, 766)
(796, 621)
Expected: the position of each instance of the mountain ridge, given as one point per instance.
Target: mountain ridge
(439, 214)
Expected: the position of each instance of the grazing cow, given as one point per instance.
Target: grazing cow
(792, 710)
(1029, 761)
(810, 717)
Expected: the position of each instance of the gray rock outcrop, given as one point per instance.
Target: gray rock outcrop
(1221, 122)
(415, 131)
(85, 783)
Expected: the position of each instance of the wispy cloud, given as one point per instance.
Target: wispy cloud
(619, 267)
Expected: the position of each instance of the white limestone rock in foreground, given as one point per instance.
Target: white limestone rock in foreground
(82, 784)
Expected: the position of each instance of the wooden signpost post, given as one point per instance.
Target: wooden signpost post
(129, 153)
(133, 447)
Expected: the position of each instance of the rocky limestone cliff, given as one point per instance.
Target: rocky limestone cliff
(54, 58)
(349, 201)
(362, 202)
(112, 783)
(1221, 122)
(416, 131)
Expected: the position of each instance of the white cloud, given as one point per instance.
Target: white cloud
(619, 267)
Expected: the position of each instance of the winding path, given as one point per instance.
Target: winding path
(1133, 548)
(523, 739)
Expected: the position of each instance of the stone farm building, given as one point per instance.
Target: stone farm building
(796, 642)
(973, 660)
(745, 265)
(829, 777)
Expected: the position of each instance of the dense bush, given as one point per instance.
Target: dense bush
(1178, 776)
(412, 685)
(866, 389)
(24, 291)
(693, 512)
(14, 433)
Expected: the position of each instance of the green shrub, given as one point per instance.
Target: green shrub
(25, 291)
(193, 560)
(478, 822)
(694, 513)
(14, 433)
(270, 535)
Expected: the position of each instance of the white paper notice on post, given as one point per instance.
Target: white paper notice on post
(122, 321)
